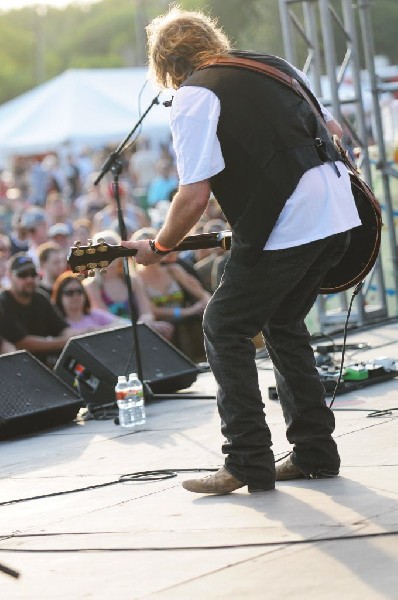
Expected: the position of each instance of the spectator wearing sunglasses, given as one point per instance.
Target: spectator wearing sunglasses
(73, 302)
(30, 321)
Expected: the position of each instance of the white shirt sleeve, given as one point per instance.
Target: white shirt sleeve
(194, 120)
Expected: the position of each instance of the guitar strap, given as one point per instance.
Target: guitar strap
(260, 67)
(285, 79)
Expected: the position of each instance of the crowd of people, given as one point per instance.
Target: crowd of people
(47, 203)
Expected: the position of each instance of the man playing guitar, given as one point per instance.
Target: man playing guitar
(275, 171)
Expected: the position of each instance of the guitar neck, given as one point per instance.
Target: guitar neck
(205, 240)
(193, 242)
(88, 258)
(200, 241)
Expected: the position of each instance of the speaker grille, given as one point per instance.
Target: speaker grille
(115, 349)
(31, 396)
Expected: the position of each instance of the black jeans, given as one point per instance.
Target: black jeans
(273, 296)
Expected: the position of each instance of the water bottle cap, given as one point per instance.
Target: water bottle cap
(133, 375)
(121, 378)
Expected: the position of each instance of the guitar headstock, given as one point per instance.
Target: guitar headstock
(85, 259)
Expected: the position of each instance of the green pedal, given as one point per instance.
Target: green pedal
(355, 373)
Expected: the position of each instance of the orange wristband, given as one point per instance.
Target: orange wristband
(160, 247)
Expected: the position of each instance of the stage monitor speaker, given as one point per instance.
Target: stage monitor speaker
(95, 360)
(32, 397)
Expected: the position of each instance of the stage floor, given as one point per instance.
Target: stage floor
(309, 539)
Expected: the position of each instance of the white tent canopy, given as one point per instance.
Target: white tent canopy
(82, 107)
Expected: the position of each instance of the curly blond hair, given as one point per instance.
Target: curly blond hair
(179, 42)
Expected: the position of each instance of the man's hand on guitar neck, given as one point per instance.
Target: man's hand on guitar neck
(185, 210)
(145, 255)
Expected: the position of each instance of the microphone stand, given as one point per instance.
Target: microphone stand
(115, 165)
(113, 157)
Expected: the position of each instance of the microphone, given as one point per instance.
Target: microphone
(168, 103)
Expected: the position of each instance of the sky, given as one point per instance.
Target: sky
(10, 4)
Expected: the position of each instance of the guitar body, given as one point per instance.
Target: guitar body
(364, 246)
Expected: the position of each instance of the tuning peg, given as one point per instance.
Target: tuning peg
(90, 249)
(102, 246)
(76, 249)
(91, 273)
(81, 276)
(102, 271)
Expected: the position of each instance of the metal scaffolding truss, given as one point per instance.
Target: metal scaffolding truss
(322, 30)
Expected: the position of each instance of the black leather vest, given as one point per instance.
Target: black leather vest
(268, 140)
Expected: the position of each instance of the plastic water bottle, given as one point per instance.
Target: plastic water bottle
(135, 394)
(124, 402)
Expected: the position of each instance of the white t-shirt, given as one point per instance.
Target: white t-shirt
(322, 203)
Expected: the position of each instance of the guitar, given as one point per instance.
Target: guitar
(353, 267)
(85, 259)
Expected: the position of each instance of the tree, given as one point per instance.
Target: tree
(111, 34)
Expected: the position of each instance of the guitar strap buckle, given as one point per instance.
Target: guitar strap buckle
(323, 155)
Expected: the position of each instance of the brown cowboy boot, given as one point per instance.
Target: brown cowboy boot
(286, 470)
(221, 482)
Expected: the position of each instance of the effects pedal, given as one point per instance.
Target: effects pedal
(355, 373)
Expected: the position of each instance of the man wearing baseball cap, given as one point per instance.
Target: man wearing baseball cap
(30, 321)
(61, 233)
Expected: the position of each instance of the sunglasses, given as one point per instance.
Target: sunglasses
(26, 274)
(76, 292)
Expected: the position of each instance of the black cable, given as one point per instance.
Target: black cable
(381, 412)
(102, 412)
(284, 456)
(159, 475)
(97, 412)
(374, 412)
(284, 542)
(356, 291)
(9, 571)
(90, 487)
